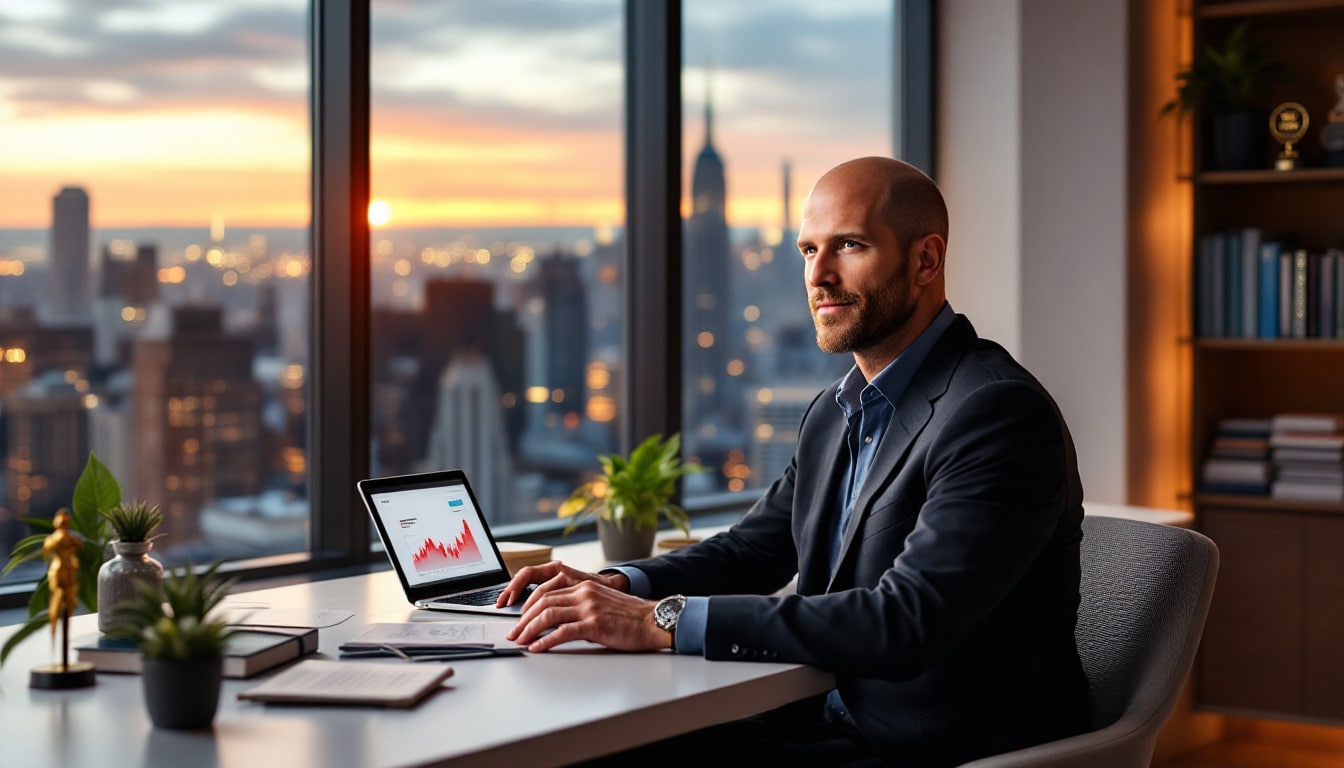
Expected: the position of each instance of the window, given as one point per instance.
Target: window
(773, 95)
(496, 258)
(154, 265)
(514, 301)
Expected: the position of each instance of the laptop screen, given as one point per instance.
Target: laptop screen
(433, 530)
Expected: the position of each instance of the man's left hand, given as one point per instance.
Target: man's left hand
(590, 611)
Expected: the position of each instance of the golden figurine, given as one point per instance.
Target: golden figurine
(61, 548)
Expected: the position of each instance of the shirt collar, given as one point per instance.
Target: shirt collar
(892, 380)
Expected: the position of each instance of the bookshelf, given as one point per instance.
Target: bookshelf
(1272, 645)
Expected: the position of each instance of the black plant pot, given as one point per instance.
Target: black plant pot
(1240, 140)
(182, 694)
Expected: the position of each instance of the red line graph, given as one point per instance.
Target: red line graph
(433, 554)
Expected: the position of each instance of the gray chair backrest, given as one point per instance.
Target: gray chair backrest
(1145, 594)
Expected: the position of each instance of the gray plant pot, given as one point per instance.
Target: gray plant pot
(629, 544)
(119, 577)
(182, 695)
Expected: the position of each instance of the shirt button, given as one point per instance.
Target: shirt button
(734, 649)
(868, 439)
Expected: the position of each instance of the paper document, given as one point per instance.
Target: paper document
(424, 634)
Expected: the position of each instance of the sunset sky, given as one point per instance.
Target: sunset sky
(171, 112)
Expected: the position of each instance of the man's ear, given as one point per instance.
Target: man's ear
(928, 254)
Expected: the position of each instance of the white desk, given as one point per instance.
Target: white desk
(538, 710)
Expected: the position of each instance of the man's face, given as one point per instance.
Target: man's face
(859, 278)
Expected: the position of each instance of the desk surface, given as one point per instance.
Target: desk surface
(537, 710)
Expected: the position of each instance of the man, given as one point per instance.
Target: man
(931, 513)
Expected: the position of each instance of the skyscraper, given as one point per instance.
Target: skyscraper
(468, 433)
(566, 329)
(196, 415)
(47, 446)
(709, 403)
(69, 255)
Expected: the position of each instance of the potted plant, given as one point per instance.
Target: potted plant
(181, 643)
(134, 526)
(630, 496)
(95, 490)
(1225, 85)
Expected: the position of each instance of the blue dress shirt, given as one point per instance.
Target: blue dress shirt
(868, 408)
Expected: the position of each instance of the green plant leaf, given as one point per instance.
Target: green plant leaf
(25, 549)
(33, 624)
(96, 490)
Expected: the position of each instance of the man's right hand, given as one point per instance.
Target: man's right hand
(551, 576)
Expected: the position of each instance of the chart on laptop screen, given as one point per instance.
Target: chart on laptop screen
(436, 532)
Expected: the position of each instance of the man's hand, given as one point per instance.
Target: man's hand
(588, 610)
(551, 576)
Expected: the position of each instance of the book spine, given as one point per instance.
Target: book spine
(1339, 292)
(1269, 290)
(1298, 325)
(1325, 293)
(1250, 268)
(1218, 286)
(1233, 286)
(1285, 295)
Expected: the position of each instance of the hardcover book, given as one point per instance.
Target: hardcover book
(250, 651)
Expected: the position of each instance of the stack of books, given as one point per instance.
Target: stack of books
(1308, 456)
(1238, 460)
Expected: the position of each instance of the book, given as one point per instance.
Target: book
(1324, 440)
(1285, 294)
(321, 681)
(250, 650)
(1300, 490)
(1268, 291)
(1325, 292)
(1312, 455)
(1235, 447)
(1243, 427)
(1308, 422)
(1250, 268)
(1232, 261)
(1298, 314)
(1236, 471)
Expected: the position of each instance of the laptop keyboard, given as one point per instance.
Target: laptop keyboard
(484, 597)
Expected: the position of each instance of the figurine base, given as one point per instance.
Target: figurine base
(1285, 164)
(53, 677)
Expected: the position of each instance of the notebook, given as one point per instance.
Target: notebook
(438, 541)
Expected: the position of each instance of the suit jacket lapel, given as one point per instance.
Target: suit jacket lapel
(912, 413)
(813, 570)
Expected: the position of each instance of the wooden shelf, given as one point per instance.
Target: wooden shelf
(1269, 176)
(1238, 8)
(1271, 345)
(1266, 503)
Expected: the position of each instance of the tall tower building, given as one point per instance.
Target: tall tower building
(566, 329)
(196, 416)
(709, 402)
(468, 434)
(48, 444)
(69, 255)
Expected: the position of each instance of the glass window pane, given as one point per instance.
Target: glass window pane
(496, 247)
(773, 95)
(154, 265)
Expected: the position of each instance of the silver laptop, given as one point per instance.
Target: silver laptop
(438, 541)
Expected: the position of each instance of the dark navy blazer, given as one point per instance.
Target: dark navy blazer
(949, 620)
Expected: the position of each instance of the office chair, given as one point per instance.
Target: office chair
(1146, 590)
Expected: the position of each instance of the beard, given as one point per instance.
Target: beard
(879, 315)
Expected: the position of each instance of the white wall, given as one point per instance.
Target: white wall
(1031, 157)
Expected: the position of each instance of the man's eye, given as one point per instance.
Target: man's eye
(849, 244)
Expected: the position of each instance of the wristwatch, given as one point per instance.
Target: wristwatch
(667, 612)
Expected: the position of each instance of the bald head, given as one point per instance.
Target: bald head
(911, 204)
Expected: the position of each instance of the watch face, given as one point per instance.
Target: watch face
(668, 610)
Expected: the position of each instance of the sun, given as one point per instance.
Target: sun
(379, 213)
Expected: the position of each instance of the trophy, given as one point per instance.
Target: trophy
(1288, 123)
(1332, 135)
